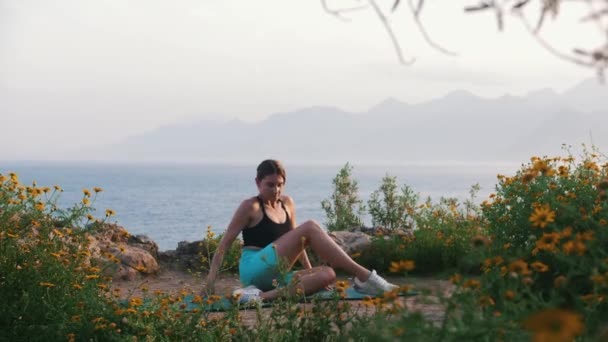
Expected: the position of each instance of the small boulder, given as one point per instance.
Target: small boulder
(351, 242)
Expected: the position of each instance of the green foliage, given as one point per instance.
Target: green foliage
(50, 286)
(344, 208)
(209, 246)
(443, 239)
(392, 210)
(551, 214)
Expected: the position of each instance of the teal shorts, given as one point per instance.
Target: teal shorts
(260, 268)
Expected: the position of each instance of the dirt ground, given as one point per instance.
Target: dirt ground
(174, 282)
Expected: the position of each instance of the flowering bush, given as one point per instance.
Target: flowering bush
(547, 265)
(51, 288)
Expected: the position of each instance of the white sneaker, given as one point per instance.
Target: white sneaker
(248, 295)
(374, 285)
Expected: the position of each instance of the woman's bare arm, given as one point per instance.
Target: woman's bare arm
(239, 221)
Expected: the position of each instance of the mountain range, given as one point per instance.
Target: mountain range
(457, 127)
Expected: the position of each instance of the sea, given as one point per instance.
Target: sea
(177, 202)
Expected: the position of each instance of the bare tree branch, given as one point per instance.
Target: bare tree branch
(338, 12)
(389, 30)
(596, 58)
(416, 12)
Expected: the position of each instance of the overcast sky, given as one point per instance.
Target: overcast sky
(91, 72)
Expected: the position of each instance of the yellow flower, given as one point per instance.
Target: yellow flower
(591, 165)
(542, 216)
(56, 255)
(472, 284)
(547, 242)
(39, 206)
(574, 247)
(403, 265)
(510, 294)
(86, 192)
(544, 168)
(539, 267)
(57, 188)
(592, 298)
(94, 269)
(45, 284)
(455, 279)
(110, 212)
(519, 267)
(91, 276)
(86, 201)
(136, 301)
(486, 301)
(554, 325)
(528, 176)
(97, 189)
(341, 284)
(90, 217)
(585, 236)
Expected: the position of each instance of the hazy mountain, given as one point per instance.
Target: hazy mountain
(457, 126)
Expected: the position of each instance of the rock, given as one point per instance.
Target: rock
(351, 242)
(196, 256)
(382, 231)
(145, 243)
(130, 256)
(187, 256)
(139, 259)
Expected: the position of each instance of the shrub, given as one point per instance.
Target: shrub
(208, 247)
(547, 265)
(446, 236)
(51, 288)
(393, 210)
(344, 208)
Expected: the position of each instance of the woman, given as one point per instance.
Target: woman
(272, 241)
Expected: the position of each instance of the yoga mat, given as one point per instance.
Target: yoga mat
(225, 304)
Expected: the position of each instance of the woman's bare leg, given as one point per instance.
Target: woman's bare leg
(309, 281)
(291, 244)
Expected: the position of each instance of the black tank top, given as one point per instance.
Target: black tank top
(266, 231)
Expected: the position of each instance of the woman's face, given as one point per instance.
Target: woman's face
(271, 187)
